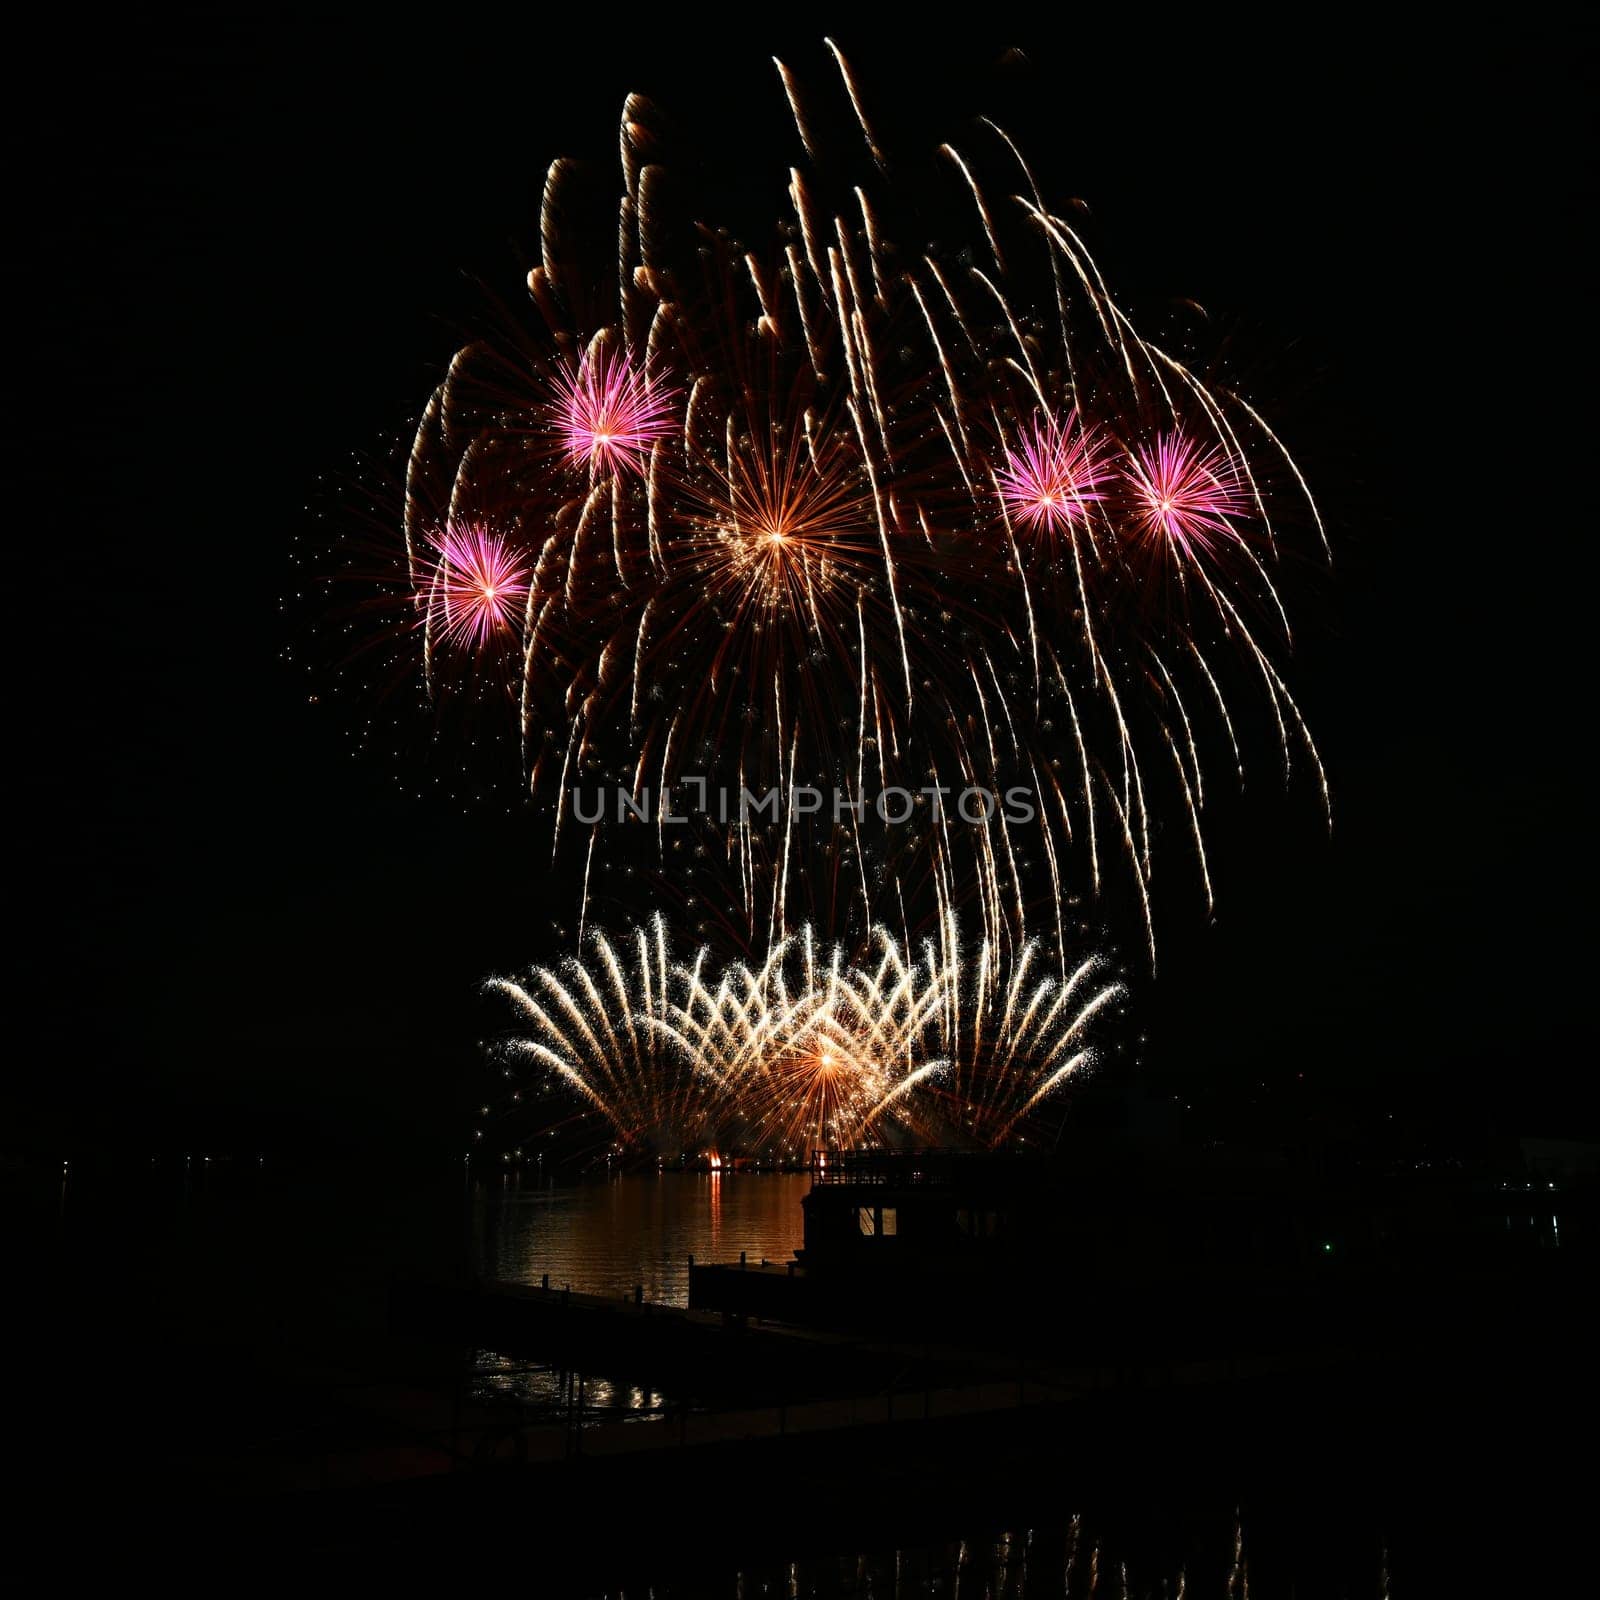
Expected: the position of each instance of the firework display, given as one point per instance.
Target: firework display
(850, 517)
(806, 1050)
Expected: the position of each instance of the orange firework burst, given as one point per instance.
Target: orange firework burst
(814, 1091)
(786, 520)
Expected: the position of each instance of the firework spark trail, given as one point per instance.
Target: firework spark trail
(801, 1051)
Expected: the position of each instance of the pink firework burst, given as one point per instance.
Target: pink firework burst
(1054, 475)
(1184, 494)
(610, 412)
(476, 588)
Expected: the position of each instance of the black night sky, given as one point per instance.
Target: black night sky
(242, 248)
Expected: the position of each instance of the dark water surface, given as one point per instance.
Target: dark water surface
(607, 1238)
(199, 1318)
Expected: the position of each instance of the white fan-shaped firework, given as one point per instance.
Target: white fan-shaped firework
(806, 1049)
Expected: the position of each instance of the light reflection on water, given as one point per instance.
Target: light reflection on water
(1070, 1562)
(542, 1392)
(609, 1237)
